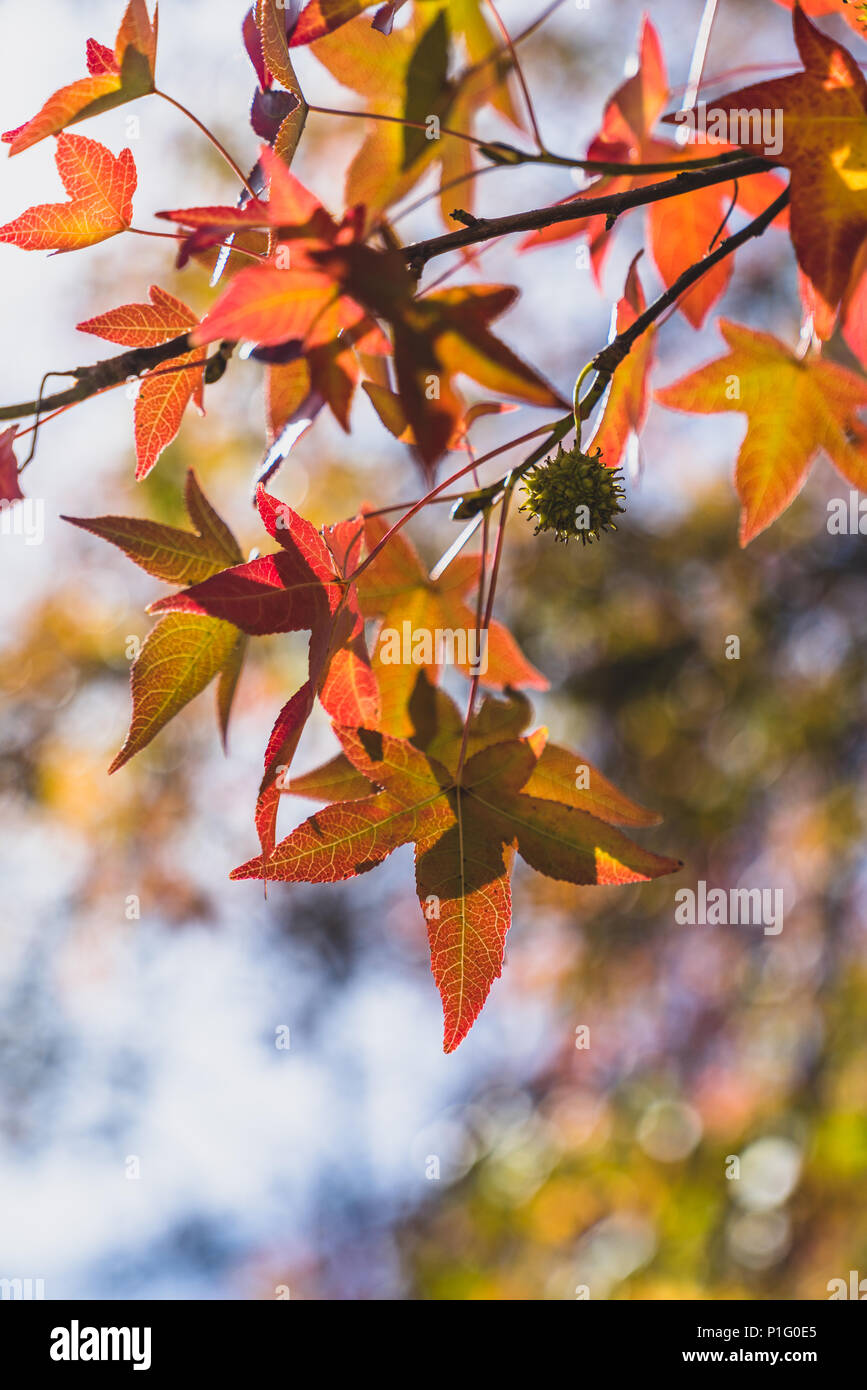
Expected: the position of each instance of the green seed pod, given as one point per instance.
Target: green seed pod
(574, 495)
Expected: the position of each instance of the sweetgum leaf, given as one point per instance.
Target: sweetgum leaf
(465, 830)
(794, 408)
(824, 121)
(100, 186)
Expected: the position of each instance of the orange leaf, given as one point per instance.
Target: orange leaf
(100, 188)
(794, 408)
(164, 395)
(405, 74)
(115, 77)
(465, 830)
(626, 406)
(396, 589)
(680, 230)
(160, 404)
(143, 325)
(436, 337)
(268, 305)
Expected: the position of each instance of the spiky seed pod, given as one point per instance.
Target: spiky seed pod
(574, 495)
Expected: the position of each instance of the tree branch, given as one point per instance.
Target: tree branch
(609, 359)
(606, 361)
(610, 205)
(111, 371)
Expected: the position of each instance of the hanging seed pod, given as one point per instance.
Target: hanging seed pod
(574, 495)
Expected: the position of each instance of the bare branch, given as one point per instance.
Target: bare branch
(579, 209)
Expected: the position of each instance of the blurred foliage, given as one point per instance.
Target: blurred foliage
(705, 1042)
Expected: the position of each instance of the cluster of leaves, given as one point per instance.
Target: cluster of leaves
(330, 303)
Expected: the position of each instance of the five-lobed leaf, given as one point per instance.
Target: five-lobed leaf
(794, 408)
(823, 111)
(100, 186)
(464, 831)
(679, 230)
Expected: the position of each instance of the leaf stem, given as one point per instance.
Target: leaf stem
(416, 507)
(519, 73)
(182, 236)
(486, 623)
(209, 134)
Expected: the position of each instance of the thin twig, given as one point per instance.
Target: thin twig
(519, 73)
(579, 209)
(550, 430)
(112, 371)
(209, 134)
(489, 609)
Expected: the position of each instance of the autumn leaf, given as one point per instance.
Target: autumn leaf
(627, 403)
(100, 188)
(436, 726)
(465, 830)
(183, 652)
(321, 17)
(299, 588)
(824, 123)
(294, 589)
(436, 337)
(10, 487)
(302, 377)
(679, 230)
(291, 297)
(290, 208)
(163, 395)
(794, 408)
(171, 553)
(180, 656)
(273, 21)
(396, 589)
(404, 75)
(116, 76)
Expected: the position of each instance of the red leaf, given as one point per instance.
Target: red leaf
(824, 115)
(10, 487)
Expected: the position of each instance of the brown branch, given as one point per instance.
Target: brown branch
(611, 356)
(611, 205)
(111, 371)
(136, 362)
(609, 359)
